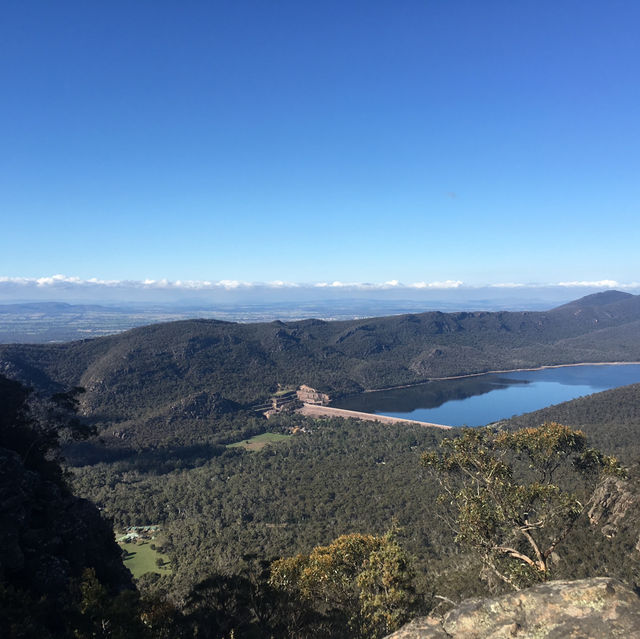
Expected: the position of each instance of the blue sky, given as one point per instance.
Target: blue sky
(419, 141)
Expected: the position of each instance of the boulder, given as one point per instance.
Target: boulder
(596, 608)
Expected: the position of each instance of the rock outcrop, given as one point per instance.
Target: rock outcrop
(597, 608)
(612, 501)
(48, 537)
(308, 395)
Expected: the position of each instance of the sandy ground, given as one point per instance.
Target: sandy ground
(311, 410)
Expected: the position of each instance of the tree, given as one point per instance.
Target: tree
(33, 426)
(102, 615)
(514, 497)
(387, 592)
(362, 585)
(218, 607)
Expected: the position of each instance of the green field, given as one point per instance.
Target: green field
(141, 558)
(259, 441)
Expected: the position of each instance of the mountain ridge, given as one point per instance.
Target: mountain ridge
(597, 299)
(132, 374)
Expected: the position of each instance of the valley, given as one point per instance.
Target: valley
(180, 439)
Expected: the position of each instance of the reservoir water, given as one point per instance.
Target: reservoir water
(475, 401)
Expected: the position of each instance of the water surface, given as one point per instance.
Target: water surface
(475, 401)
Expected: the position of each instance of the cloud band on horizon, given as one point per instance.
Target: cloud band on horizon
(64, 281)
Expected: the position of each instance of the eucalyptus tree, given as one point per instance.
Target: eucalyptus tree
(514, 496)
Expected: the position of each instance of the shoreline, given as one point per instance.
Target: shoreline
(496, 372)
(315, 410)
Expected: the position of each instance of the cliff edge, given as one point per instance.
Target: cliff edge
(597, 608)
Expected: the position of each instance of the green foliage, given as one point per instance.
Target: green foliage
(24, 617)
(244, 605)
(361, 585)
(103, 615)
(504, 496)
(328, 574)
(387, 588)
(33, 426)
(339, 477)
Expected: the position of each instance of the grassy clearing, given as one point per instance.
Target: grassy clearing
(259, 441)
(141, 558)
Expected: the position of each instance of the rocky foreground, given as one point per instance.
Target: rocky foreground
(586, 609)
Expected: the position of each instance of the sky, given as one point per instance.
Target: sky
(421, 144)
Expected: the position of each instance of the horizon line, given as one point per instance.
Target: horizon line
(64, 281)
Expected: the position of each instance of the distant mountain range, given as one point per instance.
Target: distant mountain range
(146, 371)
(38, 322)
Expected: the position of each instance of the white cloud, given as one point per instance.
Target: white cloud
(511, 285)
(391, 284)
(13, 280)
(445, 284)
(604, 284)
(335, 284)
(57, 279)
(596, 284)
(196, 285)
(68, 282)
(360, 286)
(95, 280)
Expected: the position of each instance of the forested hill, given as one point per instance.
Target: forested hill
(143, 370)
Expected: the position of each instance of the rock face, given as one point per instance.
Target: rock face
(596, 608)
(48, 536)
(308, 395)
(612, 500)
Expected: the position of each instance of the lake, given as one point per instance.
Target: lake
(475, 401)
